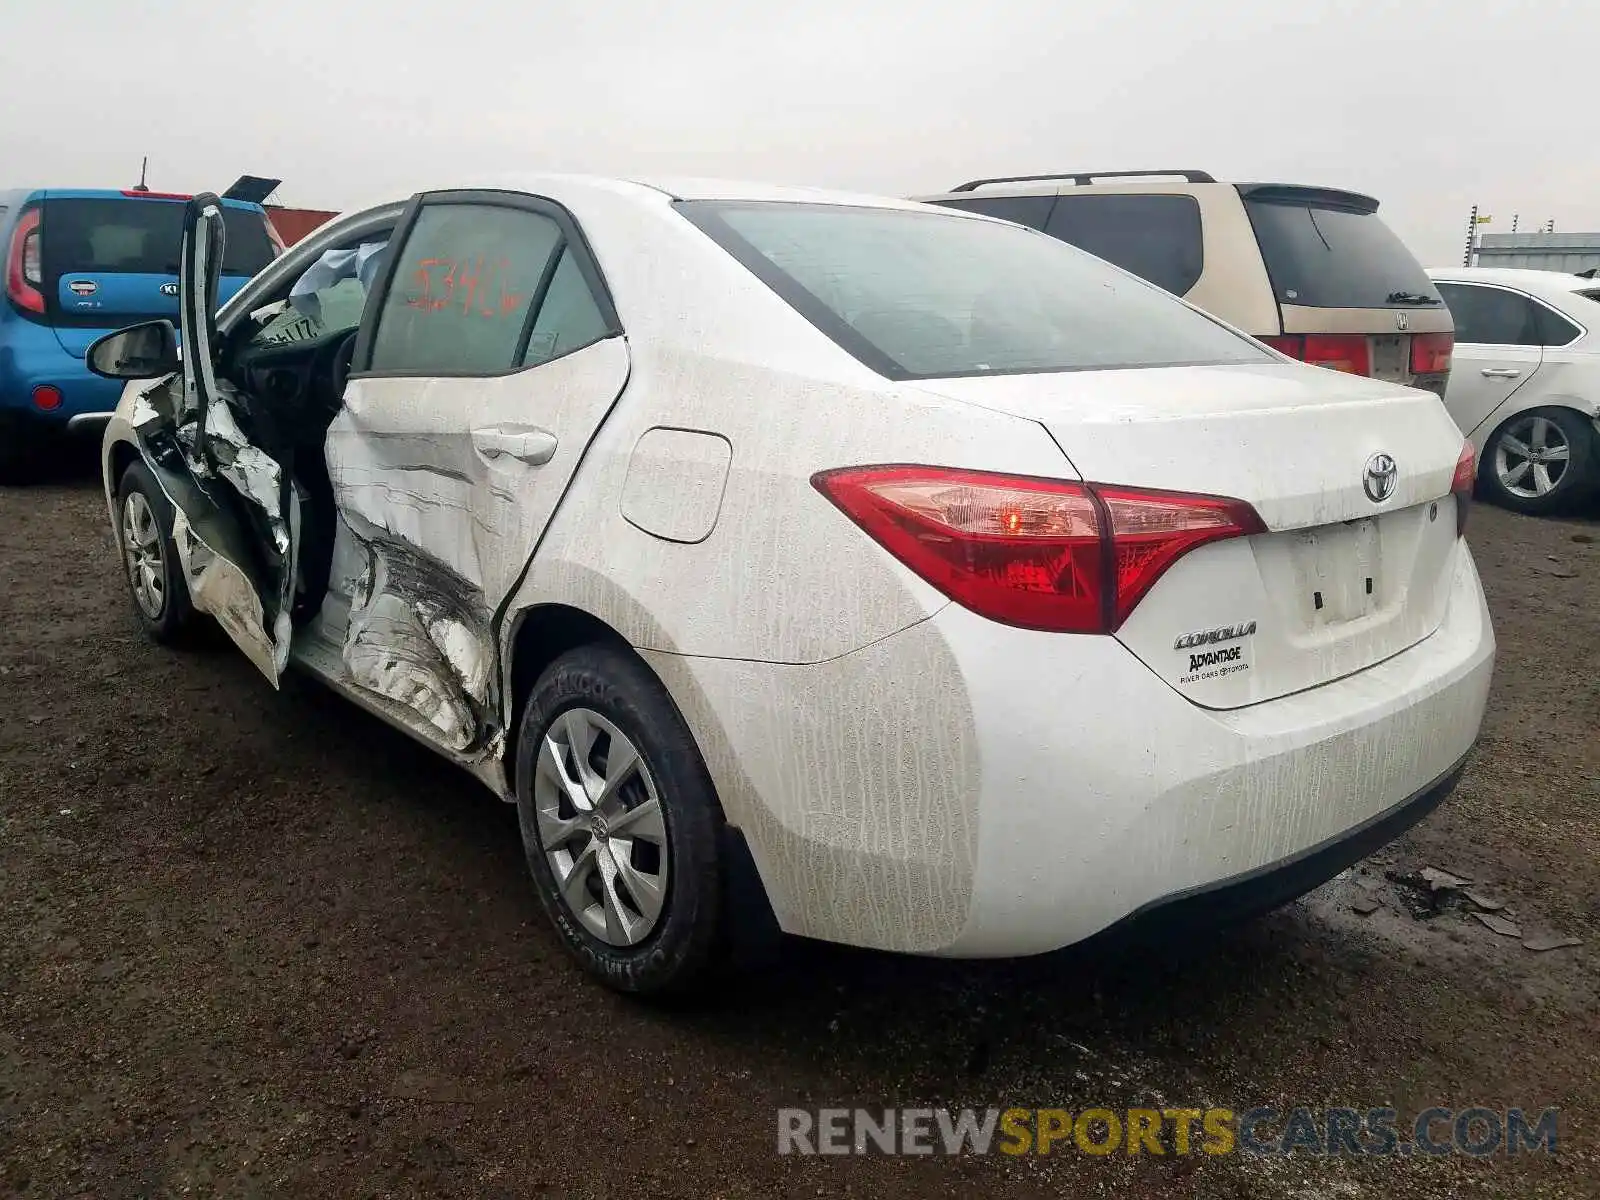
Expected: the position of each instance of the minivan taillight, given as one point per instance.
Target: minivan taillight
(1462, 483)
(1336, 351)
(1431, 353)
(1037, 553)
(23, 273)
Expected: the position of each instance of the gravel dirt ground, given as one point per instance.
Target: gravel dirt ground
(256, 944)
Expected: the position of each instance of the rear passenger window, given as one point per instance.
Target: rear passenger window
(1555, 329)
(1032, 211)
(463, 289)
(1491, 316)
(1155, 237)
(569, 318)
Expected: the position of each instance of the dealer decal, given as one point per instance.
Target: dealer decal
(1209, 657)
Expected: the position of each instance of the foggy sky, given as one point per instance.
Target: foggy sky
(1430, 106)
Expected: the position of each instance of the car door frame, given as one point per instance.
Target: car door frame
(456, 591)
(572, 234)
(217, 539)
(216, 549)
(1526, 359)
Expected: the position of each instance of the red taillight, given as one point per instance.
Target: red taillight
(1152, 530)
(1335, 351)
(46, 397)
(1431, 353)
(1462, 483)
(1037, 553)
(23, 273)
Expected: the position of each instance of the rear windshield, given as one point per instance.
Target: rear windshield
(1324, 256)
(141, 237)
(921, 295)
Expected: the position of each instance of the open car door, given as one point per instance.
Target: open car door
(236, 515)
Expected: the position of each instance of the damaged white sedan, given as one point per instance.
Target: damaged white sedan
(834, 565)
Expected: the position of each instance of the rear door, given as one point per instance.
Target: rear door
(494, 355)
(110, 261)
(1498, 349)
(236, 520)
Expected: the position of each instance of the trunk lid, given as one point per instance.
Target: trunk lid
(1339, 582)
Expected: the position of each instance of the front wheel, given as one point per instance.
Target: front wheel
(1542, 461)
(620, 824)
(150, 561)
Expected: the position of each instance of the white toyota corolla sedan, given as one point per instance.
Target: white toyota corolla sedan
(869, 571)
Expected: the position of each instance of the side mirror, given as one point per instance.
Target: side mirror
(145, 351)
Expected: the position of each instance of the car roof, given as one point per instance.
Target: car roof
(557, 185)
(25, 195)
(1526, 278)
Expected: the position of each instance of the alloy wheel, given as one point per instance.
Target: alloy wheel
(141, 542)
(1531, 456)
(601, 827)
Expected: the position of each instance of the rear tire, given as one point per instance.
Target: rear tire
(625, 852)
(149, 560)
(1542, 461)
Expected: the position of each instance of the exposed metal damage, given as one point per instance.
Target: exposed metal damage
(419, 636)
(217, 585)
(252, 472)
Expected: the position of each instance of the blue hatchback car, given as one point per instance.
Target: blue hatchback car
(79, 264)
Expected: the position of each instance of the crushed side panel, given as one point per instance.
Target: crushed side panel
(419, 636)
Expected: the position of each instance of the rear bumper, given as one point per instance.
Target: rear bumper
(968, 789)
(32, 358)
(24, 428)
(1215, 905)
(1143, 798)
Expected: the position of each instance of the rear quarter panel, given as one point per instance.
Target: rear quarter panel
(782, 576)
(785, 636)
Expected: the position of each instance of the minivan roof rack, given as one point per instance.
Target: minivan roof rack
(1083, 178)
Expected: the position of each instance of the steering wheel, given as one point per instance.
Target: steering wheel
(339, 375)
(327, 372)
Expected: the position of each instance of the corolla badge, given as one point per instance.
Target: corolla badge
(1379, 478)
(169, 289)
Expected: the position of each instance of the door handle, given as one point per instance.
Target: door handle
(1500, 373)
(525, 443)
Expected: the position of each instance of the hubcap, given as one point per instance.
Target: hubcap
(601, 827)
(1531, 456)
(141, 542)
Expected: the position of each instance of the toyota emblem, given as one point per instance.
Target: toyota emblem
(1378, 479)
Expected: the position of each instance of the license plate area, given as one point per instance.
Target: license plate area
(1391, 358)
(1339, 568)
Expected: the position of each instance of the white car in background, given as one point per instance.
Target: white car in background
(881, 573)
(1525, 386)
